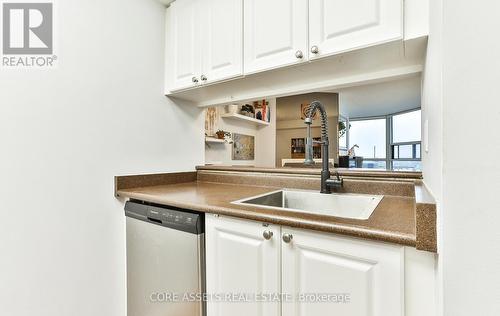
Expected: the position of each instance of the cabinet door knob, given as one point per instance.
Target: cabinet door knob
(194, 79)
(287, 238)
(267, 234)
(203, 78)
(314, 49)
(299, 54)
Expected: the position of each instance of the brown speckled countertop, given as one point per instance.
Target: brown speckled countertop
(394, 220)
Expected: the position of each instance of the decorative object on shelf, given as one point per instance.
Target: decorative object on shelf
(211, 121)
(262, 110)
(304, 110)
(343, 161)
(352, 153)
(232, 108)
(243, 147)
(222, 134)
(358, 162)
(259, 112)
(266, 111)
(248, 110)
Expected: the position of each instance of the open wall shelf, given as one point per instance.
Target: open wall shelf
(236, 116)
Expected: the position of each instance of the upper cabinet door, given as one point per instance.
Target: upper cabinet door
(275, 33)
(185, 44)
(368, 274)
(341, 25)
(240, 260)
(222, 33)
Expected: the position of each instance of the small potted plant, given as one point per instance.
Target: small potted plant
(222, 134)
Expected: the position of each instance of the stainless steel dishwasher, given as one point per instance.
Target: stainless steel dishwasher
(165, 261)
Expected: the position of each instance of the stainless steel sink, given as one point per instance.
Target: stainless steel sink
(347, 205)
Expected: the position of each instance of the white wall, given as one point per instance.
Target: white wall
(432, 130)
(471, 175)
(432, 103)
(265, 152)
(462, 74)
(381, 98)
(265, 146)
(64, 134)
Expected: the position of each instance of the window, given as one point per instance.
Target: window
(406, 127)
(374, 164)
(369, 135)
(343, 127)
(406, 165)
(389, 142)
(406, 141)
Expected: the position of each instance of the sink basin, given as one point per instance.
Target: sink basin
(347, 205)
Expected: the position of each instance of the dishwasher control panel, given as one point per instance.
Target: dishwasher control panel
(183, 220)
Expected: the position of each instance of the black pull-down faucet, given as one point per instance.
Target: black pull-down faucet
(326, 182)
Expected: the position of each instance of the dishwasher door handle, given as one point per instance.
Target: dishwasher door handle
(154, 220)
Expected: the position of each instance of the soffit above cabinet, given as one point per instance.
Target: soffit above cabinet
(388, 61)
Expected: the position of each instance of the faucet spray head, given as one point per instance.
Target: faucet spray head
(309, 143)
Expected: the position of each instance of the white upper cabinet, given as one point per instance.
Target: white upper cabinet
(368, 274)
(241, 259)
(210, 41)
(222, 34)
(204, 42)
(275, 33)
(341, 25)
(184, 44)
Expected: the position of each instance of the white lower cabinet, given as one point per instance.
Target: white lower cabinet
(361, 278)
(240, 261)
(316, 273)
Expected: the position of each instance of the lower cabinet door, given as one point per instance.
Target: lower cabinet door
(325, 274)
(242, 267)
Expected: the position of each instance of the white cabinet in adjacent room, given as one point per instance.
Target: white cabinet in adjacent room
(242, 257)
(275, 34)
(367, 277)
(337, 26)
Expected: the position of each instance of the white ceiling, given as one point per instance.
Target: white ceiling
(166, 2)
(381, 98)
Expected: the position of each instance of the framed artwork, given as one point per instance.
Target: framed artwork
(243, 147)
(304, 109)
